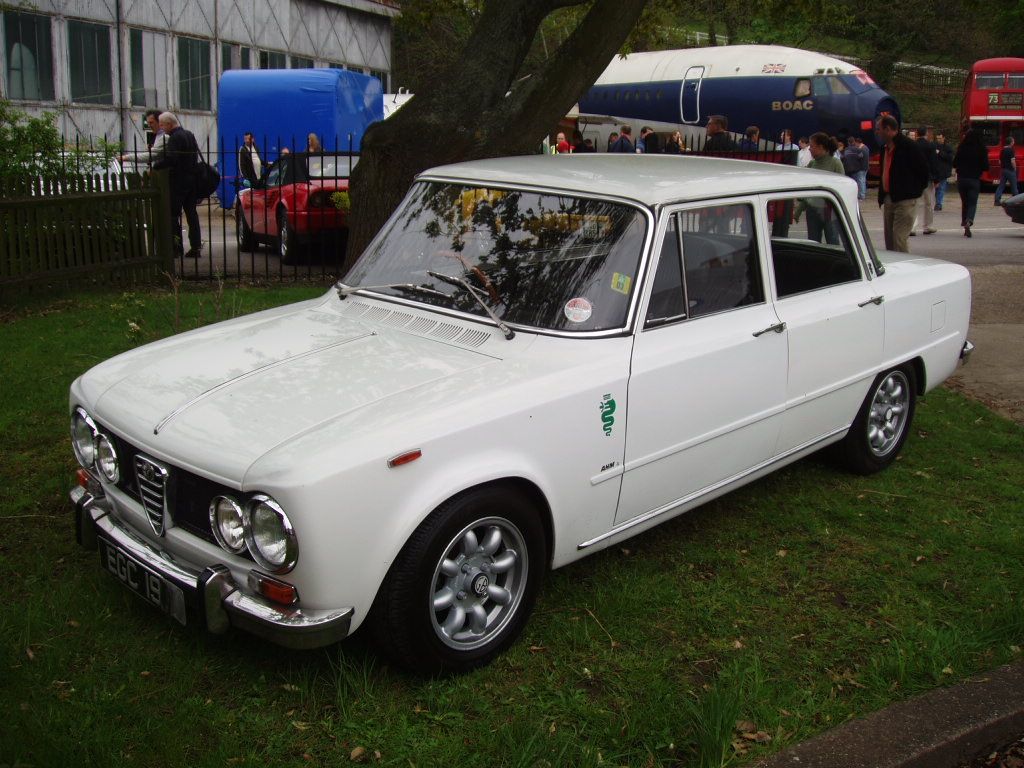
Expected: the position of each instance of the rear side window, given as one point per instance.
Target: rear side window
(709, 264)
(810, 246)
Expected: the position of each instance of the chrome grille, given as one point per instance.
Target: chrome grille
(152, 481)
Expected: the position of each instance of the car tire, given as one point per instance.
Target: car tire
(244, 236)
(287, 245)
(463, 586)
(883, 422)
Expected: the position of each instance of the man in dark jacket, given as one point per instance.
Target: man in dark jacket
(904, 177)
(250, 166)
(180, 155)
(719, 139)
(944, 163)
(625, 141)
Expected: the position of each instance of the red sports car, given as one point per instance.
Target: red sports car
(295, 203)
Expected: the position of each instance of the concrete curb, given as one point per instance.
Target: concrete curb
(935, 730)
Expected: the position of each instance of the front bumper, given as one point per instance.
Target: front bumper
(209, 595)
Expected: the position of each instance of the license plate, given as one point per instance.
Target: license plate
(150, 586)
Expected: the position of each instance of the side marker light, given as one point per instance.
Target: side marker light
(404, 458)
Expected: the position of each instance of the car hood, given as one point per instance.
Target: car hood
(224, 396)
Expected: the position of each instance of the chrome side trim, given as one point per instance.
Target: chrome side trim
(253, 372)
(647, 516)
(220, 601)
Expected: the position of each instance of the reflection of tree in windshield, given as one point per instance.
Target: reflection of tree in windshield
(528, 252)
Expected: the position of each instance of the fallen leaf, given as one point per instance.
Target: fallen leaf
(377, 755)
(947, 670)
(920, 559)
(357, 755)
(73, 623)
(1014, 649)
(299, 725)
(145, 673)
(739, 747)
(290, 688)
(626, 552)
(745, 726)
(307, 757)
(537, 649)
(31, 656)
(737, 644)
(782, 553)
(552, 728)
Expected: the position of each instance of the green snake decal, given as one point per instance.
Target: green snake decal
(607, 407)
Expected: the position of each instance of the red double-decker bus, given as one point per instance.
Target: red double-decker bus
(994, 105)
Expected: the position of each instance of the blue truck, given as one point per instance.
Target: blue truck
(281, 107)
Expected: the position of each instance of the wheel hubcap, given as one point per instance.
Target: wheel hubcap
(283, 248)
(478, 583)
(888, 416)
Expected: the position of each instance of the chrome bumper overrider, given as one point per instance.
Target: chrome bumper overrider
(216, 599)
(965, 351)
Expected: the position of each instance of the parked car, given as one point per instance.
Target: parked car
(295, 202)
(1014, 207)
(536, 358)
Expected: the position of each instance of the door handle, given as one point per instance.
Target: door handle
(778, 328)
(872, 300)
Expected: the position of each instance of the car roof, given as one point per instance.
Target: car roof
(647, 179)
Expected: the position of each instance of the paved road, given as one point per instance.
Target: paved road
(995, 258)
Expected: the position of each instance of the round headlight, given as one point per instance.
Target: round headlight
(269, 535)
(227, 524)
(106, 459)
(83, 437)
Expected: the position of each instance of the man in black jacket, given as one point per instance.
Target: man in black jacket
(180, 155)
(904, 177)
(944, 164)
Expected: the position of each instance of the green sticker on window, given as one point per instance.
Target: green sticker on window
(621, 283)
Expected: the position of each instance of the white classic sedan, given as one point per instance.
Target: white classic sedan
(536, 358)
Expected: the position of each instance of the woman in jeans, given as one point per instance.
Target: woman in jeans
(970, 161)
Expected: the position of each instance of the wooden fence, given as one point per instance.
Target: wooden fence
(112, 227)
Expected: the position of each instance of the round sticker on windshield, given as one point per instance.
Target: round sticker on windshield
(578, 310)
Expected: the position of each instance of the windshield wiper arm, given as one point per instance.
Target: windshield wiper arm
(453, 280)
(345, 290)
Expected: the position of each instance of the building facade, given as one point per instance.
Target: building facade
(100, 64)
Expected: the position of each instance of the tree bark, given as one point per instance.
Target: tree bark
(476, 108)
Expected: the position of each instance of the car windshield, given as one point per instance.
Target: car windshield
(331, 166)
(548, 261)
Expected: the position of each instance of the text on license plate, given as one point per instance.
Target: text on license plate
(148, 585)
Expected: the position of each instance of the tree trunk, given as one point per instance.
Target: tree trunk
(477, 108)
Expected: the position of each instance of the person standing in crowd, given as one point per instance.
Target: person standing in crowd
(155, 138)
(650, 141)
(855, 162)
(1008, 172)
(561, 145)
(718, 139)
(612, 138)
(804, 156)
(786, 141)
(250, 167)
(180, 155)
(625, 141)
(313, 143)
(751, 139)
(819, 221)
(904, 177)
(970, 161)
(944, 153)
(675, 144)
(926, 208)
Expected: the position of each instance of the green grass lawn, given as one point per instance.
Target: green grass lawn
(758, 620)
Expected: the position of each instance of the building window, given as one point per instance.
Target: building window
(336, 65)
(148, 54)
(300, 62)
(382, 76)
(89, 63)
(234, 57)
(193, 73)
(273, 60)
(29, 50)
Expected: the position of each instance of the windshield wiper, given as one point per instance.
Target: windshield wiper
(345, 290)
(452, 280)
